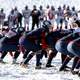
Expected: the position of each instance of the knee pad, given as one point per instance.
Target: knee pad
(61, 46)
(58, 46)
(72, 48)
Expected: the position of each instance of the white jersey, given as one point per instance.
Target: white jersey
(41, 14)
(16, 16)
(2, 17)
(16, 13)
(46, 13)
(74, 14)
(11, 17)
(51, 14)
(26, 13)
(60, 14)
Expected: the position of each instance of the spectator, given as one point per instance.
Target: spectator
(26, 15)
(2, 17)
(35, 17)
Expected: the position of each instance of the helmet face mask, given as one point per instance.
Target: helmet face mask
(20, 30)
(46, 25)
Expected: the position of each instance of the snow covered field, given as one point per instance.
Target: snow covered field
(15, 72)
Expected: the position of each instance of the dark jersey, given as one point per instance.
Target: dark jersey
(35, 14)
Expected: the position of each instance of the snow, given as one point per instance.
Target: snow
(16, 72)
